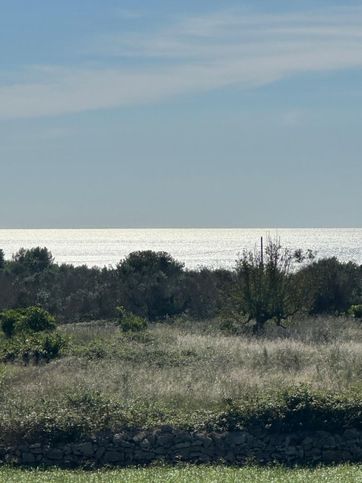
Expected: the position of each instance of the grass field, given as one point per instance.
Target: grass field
(189, 474)
(193, 364)
(182, 366)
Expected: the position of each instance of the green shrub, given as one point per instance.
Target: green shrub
(129, 322)
(37, 347)
(229, 327)
(95, 351)
(333, 286)
(293, 410)
(73, 415)
(356, 311)
(152, 284)
(26, 321)
(8, 319)
(37, 319)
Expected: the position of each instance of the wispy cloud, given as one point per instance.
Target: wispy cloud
(195, 55)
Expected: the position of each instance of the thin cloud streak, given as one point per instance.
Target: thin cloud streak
(196, 55)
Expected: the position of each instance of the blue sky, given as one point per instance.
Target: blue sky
(161, 113)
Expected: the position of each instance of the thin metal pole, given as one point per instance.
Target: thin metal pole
(262, 251)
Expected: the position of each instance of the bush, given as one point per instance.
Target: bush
(35, 348)
(30, 320)
(29, 336)
(229, 327)
(76, 415)
(294, 410)
(152, 284)
(333, 286)
(356, 311)
(9, 318)
(36, 319)
(129, 322)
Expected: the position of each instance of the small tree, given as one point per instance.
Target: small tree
(2, 259)
(334, 285)
(33, 260)
(268, 288)
(151, 283)
(37, 319)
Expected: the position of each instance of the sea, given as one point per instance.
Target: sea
(196, 248)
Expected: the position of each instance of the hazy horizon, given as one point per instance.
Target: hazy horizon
(48, 228)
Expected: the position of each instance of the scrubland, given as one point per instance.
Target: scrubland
(194, 364)
(179, 371)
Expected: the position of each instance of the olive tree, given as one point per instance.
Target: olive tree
(151, 284)
(269, 288)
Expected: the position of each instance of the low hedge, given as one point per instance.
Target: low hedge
(78, 415)
(293, 410)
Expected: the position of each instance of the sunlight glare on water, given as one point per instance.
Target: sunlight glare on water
(214, 248)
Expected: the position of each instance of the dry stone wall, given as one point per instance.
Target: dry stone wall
(174, 445)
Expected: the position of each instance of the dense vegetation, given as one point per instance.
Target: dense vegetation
(188, 374)
(154, 286)
(276, 343)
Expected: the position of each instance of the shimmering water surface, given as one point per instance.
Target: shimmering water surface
(194, 247)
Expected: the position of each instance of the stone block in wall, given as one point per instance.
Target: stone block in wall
(203, 439)
(83, 449)
(324, 440)
(143, 456)
(352, 435)
(238, 438)
(164, 439)
(119, 437)
(199, 458)
(36, 448)
(27, 458)
(138, 437)
(54, 454)
(312, 454)
(115, 457)
(181, 445)
(335, 456)
(355, 452)
(99, 452)
(145, 444)
(123, 444)
(182, 437)
(219, 438)
(308, 443)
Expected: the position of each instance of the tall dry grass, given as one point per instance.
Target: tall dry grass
(192, 365)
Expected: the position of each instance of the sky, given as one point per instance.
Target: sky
(162, 113)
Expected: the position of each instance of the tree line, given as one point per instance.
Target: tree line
(274, 284)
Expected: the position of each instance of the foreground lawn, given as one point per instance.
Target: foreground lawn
(343, 474)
